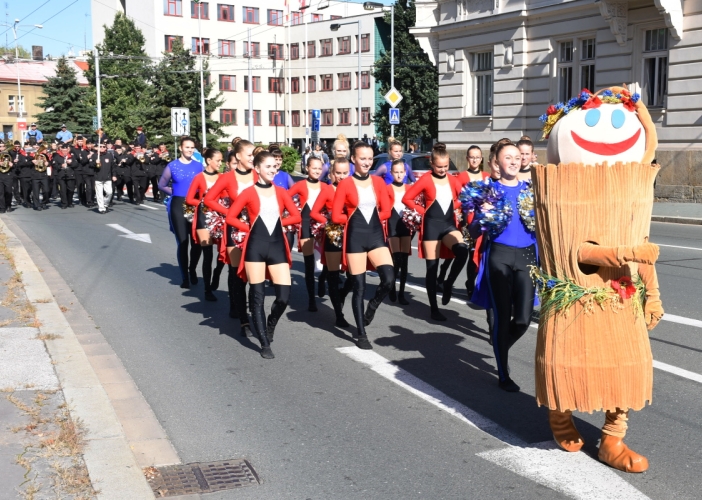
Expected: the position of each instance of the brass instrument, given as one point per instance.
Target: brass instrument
(141, 157)
(97, 163)
(6, 163)
(42, 161)
(166, 157)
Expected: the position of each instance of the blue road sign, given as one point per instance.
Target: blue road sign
(9, 136)
(394, 116)
(315, 125)
(316, 114)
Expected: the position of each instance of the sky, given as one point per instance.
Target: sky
(66, 25)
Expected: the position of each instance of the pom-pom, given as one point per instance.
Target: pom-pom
(188, 212)
(317, 229)
(525, 207)
(239, 236)
(335, 234)
(215, 223)
(412, 219)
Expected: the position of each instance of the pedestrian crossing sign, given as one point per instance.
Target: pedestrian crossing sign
(394, 116)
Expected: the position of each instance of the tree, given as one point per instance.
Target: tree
(9, 51)
(175, 83)
(415, 77)
(65, 102)
(126, 70)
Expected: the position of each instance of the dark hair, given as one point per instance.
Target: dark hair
(501, 145)
(525, 138)
(235, 140)
(239, 147)
(261, 157)
(472, 148)
(399, 161)
(183, 139)
(311, 158)
(339, 160)
(504, 140)
(230, 155)
(275, 151)
(526, 142)
(210, 152)
(438, 151)
(359, 145)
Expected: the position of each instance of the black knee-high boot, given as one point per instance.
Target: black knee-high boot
(309, 281)
(257, 298)
(387, 279)
(461, 251)
(346, 289)
(239, 289)
(432, 270)
(359, 290)
(322, 282)
(396, 264)
(231, 288)
(195, 252)
(334, 295)
(282, 297)
(215, 276)
(443, 270)
(404, 262)
(207, 273)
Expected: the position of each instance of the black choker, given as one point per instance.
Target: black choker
(476, 171)
(245, 172)
(209, 173)
(524, 171)
(358, 176)
(264, 186)
(313, 181)
(398, 184)
(436, 176)
(335, 184)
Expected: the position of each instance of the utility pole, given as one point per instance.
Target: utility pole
(392, 56)
(277, 79)
(202, 76)
(307, 90)
(96, 53)
(360, 112)
(251, 113)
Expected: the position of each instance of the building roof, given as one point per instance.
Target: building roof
(37, 71)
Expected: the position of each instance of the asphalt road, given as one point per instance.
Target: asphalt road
(316, 423)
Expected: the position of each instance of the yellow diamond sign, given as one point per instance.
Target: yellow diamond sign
(393, 97)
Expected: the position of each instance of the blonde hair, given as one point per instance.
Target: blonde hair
(341, 139)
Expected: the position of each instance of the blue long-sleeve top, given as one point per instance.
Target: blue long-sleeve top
(179, 175)
(385, 171)
(516, 233)
(283, 179)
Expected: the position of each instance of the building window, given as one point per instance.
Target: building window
(334, 18)
(199, 10)
(327, 83)
(295, 18)
(275, 51)
(365, 116)
(201, 46)
(294, 51)
(255, 49)
(365, 80)
(311, 84)
(256, 84)
(275, 85)
(256, 117)
(365, 42)
(227, 82)
(227, 116)
(225, 13)
(12, 105)
(344, 44)
(482, 82)
(327, 117)
(172, 7)
(654, 86)
(565, 70)
(170, 40)
(344, 81)
(311, 49)
(250, 15)
(587, 64)
(276, 118)
(226, 48)
(275, 17)
(295, 85)
(295, 118)
(344, 116)
(326, 47)
(316, 18)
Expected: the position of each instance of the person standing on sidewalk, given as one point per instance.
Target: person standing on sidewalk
(104, 167)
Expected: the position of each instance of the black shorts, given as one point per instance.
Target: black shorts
(201, 221)
(396, 226)
(329, 246)
(305, 231)
(230, 240)
(437, 224)
(265, 247)
(362, 236)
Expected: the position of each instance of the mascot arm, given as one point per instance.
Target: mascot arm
(590, 253)
(653, 309)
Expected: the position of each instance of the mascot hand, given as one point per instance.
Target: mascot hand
(646, 253)
(653, 311)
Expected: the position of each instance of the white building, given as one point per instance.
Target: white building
(502, 62)
(284, 50)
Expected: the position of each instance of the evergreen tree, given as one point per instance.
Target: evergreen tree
(175, 83)
(65, 102)
(124, 88)
(415, 77)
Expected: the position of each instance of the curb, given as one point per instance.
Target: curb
(111, 464)
(671, 219)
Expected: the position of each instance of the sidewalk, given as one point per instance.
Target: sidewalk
(72, 422)
(678, 213)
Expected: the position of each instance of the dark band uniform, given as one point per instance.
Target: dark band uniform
(63, 171)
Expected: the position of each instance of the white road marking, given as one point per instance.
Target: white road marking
(677, 371)
(147, 206)
(130, 235)
(574, 474)
(676, 246)
(682, 320)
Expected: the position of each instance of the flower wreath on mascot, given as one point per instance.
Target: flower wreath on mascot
(597, 283)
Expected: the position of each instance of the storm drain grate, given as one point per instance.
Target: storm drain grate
(200, 477)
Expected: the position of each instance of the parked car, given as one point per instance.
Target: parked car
(418, 162)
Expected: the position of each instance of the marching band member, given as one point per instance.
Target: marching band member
(103, 166)
(158, 160)
(62, 164)
(7, 177)
(23, 171)
(140, 172)
(40, 178)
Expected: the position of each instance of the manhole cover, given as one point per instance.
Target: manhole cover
(200, 477)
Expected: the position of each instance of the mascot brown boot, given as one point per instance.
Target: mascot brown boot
(613, 451)
(564, 432)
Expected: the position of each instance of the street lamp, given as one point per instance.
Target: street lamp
(335, 27)
(376, 5)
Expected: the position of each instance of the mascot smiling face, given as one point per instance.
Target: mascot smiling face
(609, 126)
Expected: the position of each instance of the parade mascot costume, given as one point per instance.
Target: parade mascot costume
(597, 283)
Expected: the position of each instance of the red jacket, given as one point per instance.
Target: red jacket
(324, 200)
(426, 185)
(249, 199)
(302, 190)
(196, 193)
(346, 202)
